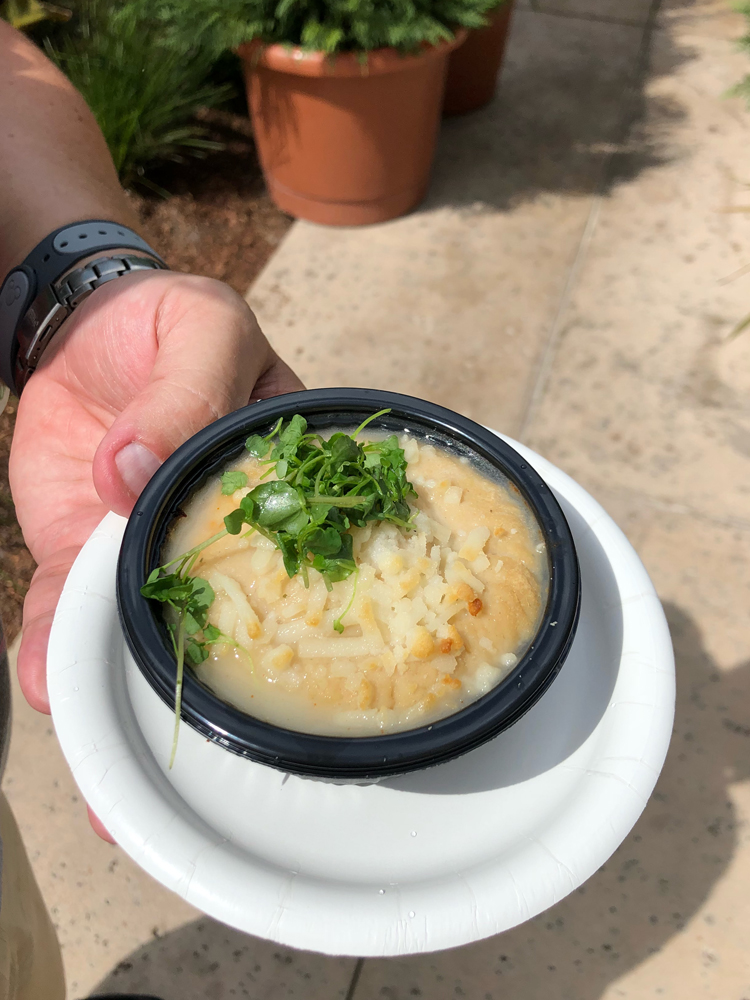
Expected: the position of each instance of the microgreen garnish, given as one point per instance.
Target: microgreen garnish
(190, 597)
(232, 480)
(321, 490)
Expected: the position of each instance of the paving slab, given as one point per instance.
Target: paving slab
(668, 915)
(454, 302)
(646, 391)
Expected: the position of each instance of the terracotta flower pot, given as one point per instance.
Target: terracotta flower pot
(473, 69)
(343, 141)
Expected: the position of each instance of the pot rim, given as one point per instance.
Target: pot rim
(297, 61)
(342, 757)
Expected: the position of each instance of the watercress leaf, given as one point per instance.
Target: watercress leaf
(319, 562)
(289, 552)
(247, 506)
(178, 595)
(211, 633)
(319, 513)
(169, 587)
(233, 521)
(343, 449)
(282, 467)
(337, 517)
(275, 502)
(231, 480)
(339, 566)
(196, 652)
(396, 511)
(390, 445)
(155, 590)
(295, 523)
(336, 569)
(291, 434)
(202, 594)
(192, 625)
(345, 552)
(326, 541)
(257, 446)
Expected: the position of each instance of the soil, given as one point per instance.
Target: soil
(216, 219)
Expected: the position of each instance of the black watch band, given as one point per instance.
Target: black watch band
(55, 278)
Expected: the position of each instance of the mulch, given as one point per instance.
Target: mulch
(217, 221)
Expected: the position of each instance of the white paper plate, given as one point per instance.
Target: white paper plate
(431, 860)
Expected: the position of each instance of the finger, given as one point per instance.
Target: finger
(211, 354)
(276, 380)
(38, 612)
(99, 828)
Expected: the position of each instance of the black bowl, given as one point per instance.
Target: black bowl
(332, 757)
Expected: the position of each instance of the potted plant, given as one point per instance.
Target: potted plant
(474, 67)
(345, 99)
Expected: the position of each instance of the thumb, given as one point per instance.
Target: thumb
(209, 355)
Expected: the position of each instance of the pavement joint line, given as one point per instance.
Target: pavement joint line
(598, 18)
(630, 91)
(550, 351)
(355, 979)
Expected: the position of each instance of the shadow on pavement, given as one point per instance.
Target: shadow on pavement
(571, 116)
(656, 882)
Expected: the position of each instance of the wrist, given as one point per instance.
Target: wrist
(60, 272)
(55, 167)
(24, 226)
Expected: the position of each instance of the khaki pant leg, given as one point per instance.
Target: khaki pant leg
(30, 962)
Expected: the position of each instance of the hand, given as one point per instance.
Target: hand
(144, 363)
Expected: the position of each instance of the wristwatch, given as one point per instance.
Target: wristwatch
(63, 270)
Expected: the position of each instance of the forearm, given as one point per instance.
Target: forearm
(55, 167)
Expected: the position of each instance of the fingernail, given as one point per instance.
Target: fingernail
(136, 464)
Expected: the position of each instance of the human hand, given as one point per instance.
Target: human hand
(143, 363)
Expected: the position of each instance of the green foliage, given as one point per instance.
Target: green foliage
(324, 25)
(143, 82)
(146, 66)
(24, 13)
(743, 89)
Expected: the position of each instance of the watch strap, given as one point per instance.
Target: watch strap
(57, 301)
(33, 300)
(69, 244)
